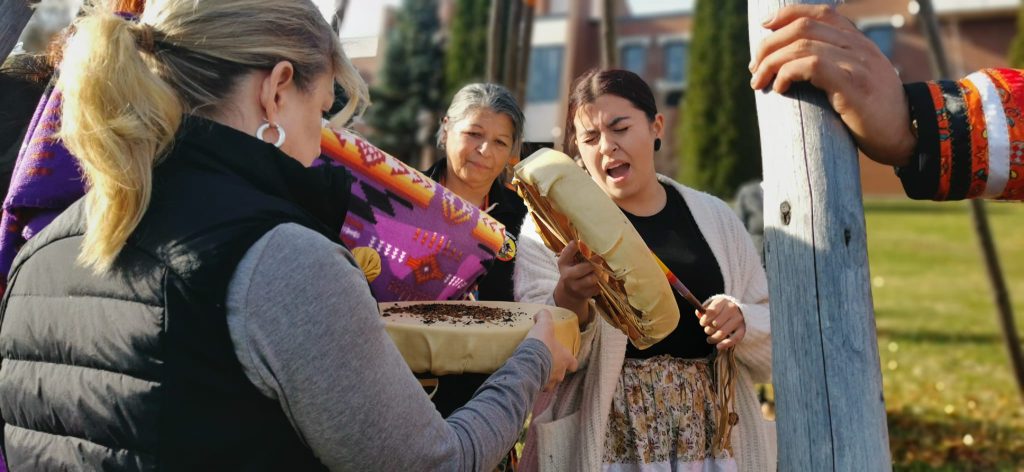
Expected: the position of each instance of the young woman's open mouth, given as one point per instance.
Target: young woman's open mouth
(618, 172)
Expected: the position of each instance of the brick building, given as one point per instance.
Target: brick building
(566, 39)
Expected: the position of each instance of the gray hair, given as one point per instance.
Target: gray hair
(474, 97)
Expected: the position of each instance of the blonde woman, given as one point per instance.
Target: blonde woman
(194, 311)
(653, 409)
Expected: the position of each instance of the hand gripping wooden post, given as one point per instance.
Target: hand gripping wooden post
(828, 383)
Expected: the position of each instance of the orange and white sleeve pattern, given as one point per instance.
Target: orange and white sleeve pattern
(970, 137)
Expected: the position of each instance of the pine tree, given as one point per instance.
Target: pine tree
(1017, 48)
(718, 134)
(411, 81)
(466, 57)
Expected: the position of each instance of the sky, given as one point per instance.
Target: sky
(641, 7)
(363, 17)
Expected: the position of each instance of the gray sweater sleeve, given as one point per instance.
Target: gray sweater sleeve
(309, 335)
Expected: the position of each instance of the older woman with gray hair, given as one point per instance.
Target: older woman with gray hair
(480, 133)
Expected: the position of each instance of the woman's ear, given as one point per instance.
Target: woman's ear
(658, 126)
(281, 77)
(443, 142)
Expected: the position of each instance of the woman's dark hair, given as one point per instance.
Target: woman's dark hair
(595, 83)
(23, 77)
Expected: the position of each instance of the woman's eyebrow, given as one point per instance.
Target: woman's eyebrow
(617, 120)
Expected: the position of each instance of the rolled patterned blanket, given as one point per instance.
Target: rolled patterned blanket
(433, 245)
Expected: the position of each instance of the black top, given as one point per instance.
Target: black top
(20, 91)
(509, 210)
(496, 285)
(673, 235)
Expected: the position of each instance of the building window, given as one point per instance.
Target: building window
(634, 58)
(674, 98)
(884, 36)
(677, 58)
(558, 7)
(545, 74)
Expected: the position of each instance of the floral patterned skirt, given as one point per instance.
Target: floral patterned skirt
(663, 418)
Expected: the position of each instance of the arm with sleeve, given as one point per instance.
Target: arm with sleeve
(308, 334)
(970, 137)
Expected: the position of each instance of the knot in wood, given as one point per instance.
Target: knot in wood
(786, 212)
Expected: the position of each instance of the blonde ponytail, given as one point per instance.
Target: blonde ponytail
(118, 118)
(127, 85)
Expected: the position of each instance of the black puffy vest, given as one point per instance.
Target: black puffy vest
(135, 369)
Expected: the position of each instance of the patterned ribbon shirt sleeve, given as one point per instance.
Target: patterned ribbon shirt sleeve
(970, 137)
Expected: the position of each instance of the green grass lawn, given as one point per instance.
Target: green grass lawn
(950, 394)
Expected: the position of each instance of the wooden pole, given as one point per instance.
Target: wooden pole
(495, 38)
(512, 30)
(979, 215)
(828, 383)
(609, 48)
(525, 46)
(575, 25)
(340, 7)
(14, 15)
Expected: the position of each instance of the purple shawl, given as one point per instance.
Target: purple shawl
(46, 181)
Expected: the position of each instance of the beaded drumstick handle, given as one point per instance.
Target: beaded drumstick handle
(678, 286)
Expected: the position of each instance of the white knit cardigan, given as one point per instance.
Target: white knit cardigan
(568, 428)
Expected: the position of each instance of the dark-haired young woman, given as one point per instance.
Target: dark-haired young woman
(654, 409)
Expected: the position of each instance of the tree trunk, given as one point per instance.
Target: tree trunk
(572, 66)
(827, 378)
(14, 15)
(525, 46)
(509, 77)
(340, 7)
(979, 215)
(495, 38)
(609, 46)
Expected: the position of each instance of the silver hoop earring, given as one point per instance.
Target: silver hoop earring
(265, 126)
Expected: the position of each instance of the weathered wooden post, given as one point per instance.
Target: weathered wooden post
(14, 15)
(828, 383)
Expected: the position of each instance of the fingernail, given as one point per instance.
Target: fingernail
(753, 82)
(768, 19)
(750, 66)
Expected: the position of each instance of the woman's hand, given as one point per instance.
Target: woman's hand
(577, 283)
(723, 323)
(815, 43)
(562, 359)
